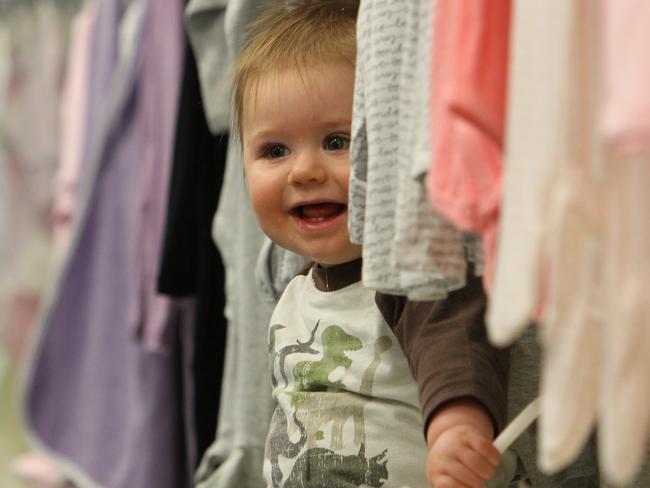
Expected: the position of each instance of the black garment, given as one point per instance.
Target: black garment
(191, 264)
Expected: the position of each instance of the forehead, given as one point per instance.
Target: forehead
(292, 91)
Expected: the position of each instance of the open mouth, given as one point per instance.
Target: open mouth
(318, 212)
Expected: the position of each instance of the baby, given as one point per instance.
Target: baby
(343, 358)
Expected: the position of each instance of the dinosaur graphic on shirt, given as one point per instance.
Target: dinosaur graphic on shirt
(320, 401)
(319, 467)
(278, 443)
(314, 375)
(281, 355)
(335, 407)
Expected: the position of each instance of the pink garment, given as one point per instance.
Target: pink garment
(21, 314)
(468, 77)
(73, 122)
(38, 471)
(625, 120)
(155, 123)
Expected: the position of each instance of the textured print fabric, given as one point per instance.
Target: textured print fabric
(381, 153)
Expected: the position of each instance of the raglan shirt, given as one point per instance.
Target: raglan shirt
(349, 349)
(450, 332)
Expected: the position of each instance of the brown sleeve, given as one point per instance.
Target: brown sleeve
(448, 352)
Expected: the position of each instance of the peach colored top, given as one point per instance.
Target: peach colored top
(468, 76)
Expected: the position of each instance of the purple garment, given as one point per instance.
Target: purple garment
(156, 123)
(95, 397)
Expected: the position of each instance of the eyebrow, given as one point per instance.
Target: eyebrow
(271, 132)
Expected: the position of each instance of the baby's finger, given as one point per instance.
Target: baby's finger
(486, 449)
(477, 463)
(463, 475)
(444, 481)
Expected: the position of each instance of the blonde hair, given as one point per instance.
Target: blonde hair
(294, 34)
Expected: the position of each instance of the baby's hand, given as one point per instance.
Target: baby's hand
(461, 457)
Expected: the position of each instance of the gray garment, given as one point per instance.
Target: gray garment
(235, 459)
(419, 231)
(216, 29)
(525, 357)
(643, 478)
(523, 388)
(384, 150)
(275, 268)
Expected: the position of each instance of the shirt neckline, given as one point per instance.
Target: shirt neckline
(336, 277)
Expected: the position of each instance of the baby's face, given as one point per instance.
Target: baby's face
(296, 140)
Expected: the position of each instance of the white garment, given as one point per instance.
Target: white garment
(348, 406)
(597, 340)
(572, 321)
(594, 250)
(407, 248)
(33, 50)
(535, 125)
(624, 421)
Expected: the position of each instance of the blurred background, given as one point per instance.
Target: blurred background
(33, 54)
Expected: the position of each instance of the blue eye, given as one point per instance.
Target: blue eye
(336, 142)
(275, 151)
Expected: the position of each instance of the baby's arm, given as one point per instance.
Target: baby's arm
(461, 453)
(454, 366)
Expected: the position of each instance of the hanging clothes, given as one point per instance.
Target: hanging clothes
(468, 85)
(580, 266)
(96, 399)
(533, 131)
(216, 30)
(572, 316)
(73, 116)
(624, 400)
(625, 118)
(625, 130)
(157, 116)
(5, 73)
(236, 456)
(624, 417)
(378, 159)
(33, 50)
(191, 265)
(523, 387)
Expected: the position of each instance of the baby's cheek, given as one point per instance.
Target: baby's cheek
(263, 200)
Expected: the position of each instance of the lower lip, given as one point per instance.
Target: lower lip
(315, 226)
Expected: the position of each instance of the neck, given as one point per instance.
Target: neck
(336, 276)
